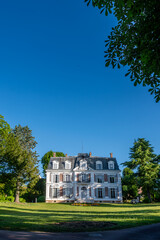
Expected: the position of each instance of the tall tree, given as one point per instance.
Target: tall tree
(142, 160)
(135, 40)
(4, 130)
(129, 184)
(46, 158)
(19, 160)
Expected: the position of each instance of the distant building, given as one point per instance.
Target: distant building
(83, 178)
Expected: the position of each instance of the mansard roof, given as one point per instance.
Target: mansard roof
(75, 161)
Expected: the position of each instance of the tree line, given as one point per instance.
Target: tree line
(19, 167)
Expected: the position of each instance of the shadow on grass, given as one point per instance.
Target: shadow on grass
(19, 217)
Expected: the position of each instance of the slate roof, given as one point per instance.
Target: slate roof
(91, 161)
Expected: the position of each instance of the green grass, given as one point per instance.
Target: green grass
(42, 216)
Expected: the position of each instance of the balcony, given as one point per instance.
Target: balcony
(84, 181)
(67, 181)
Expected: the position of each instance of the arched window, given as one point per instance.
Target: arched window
(99, 165)
(110, 165)
(83, 164)
(55, 165)
(67, 165)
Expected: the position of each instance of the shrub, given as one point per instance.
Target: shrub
(41, 199)
(22, 200)
(146, 200)
(10, 199)
(2, 198)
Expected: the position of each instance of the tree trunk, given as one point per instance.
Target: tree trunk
(17, 193)
(149, 195)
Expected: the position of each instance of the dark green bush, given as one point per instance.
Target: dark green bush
(41, 199)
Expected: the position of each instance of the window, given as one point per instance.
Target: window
(113, 194)
(99, 165)
(83, 165)
(54, 192)
(55, 178)
(111, 165)
(67, 165)
(68, 178)
(99, 192)
(84, 177)
(99, 178)
(112, 180)
(55, 165)
(67, 192)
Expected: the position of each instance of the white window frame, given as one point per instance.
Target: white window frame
(67, 165)
(99, 163)
(83, 164)
(111, 165)
(55, 165)
(67, 177)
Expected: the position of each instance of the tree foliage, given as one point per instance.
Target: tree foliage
(4, 130)
(19, 162)
(46, 158)
(129, 184)
(142, 160)
(135, 40)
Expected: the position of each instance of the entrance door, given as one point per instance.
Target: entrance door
(83, 193)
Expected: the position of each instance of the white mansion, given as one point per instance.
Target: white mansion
(83, 178)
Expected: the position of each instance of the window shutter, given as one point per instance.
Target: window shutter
(105, 177)
(71, 190)
(102, 178)
(61, 191)
(54, 178)
(109, 191)
(50, 192)
(58, 192)
(109, 179)
(117, 195)
(90, 191)
(89, 177)
(72, 177)
(57, 178)
(78, 177)
(95, 177)
(96, 192)
(61, 177)
(106, 191)
(116, 178)
(103, 192)
(77, 191)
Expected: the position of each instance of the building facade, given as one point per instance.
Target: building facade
(83, 178)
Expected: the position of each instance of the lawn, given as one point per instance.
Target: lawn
(44, 217)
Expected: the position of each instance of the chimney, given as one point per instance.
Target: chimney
(90, 154)
(66, 155)
(111, 155)
(54, 154)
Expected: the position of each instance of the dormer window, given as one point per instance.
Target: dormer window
(99, 165)
(83, 164)
(67, 165)
(111, 165)
(55, 165)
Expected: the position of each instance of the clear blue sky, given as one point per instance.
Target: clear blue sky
(53, 79)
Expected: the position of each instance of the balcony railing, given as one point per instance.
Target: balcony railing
(67, 181)
(83, 181)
